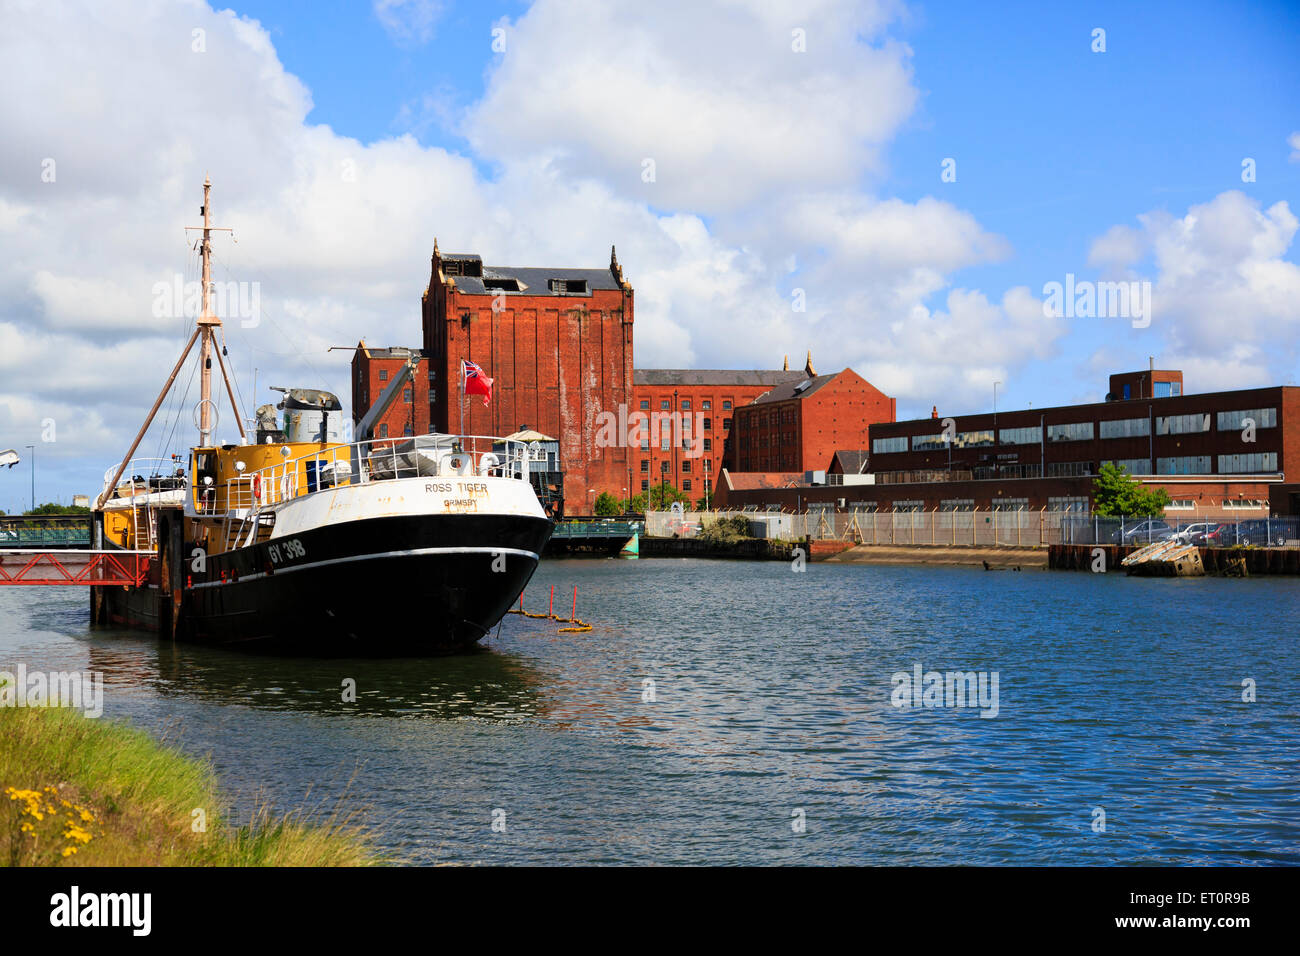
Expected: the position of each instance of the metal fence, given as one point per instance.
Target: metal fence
(983, 528)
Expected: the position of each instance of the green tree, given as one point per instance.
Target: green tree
(1115, 493)
(607, 506)
(660, 497)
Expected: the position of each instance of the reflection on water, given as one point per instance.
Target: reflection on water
(713, 699)
(487, 685)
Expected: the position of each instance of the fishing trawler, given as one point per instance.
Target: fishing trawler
(298, 542)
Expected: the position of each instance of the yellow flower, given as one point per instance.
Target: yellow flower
(69, 850)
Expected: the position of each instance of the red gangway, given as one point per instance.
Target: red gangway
(69, 567)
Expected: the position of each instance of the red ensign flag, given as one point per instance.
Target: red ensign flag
(476, 382)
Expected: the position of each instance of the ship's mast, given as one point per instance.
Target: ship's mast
(205, 329)
(208, 323)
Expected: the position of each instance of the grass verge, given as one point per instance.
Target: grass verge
(82, 792)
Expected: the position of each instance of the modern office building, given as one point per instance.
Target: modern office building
(1217, 454)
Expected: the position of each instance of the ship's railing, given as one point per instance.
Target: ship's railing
(143, 475)
(380, 459)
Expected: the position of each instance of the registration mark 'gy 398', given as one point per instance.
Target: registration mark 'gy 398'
(286, 550)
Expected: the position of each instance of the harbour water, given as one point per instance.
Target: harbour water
(719, 708)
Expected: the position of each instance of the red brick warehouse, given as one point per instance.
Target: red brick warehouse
(558, 342)
(372, 370)
(708, 398)
(799, 426)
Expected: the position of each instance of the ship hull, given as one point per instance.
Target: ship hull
(379, 587)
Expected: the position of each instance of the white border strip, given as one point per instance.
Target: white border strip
(368, 557)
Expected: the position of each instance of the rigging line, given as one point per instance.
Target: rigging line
(173, 408)
(324, 381)
(174, 417)
(231, 371)
(183, 398)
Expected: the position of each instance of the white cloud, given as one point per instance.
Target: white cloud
(1294, 142)
(762, 152)
(713, 94)
(1225, 299)
(409, 21)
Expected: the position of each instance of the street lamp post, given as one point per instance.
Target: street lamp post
(32, 449)
(997, 465)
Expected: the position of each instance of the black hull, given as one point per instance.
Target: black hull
(381, 587)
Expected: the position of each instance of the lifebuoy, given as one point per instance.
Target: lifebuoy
(257, 487)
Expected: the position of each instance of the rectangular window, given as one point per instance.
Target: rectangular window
(663, 442)
(407, 396)
(1181, 504)
(383, 375)
(664, 466)
(909, 505)
(864, 507)
(663, 405)
(708, 424)
(645, 465)
(645, 404)
(1135, 466)
(686, 466)
(645, 444)
(726, 406)
(1126, 428)
(1068, 469)
(1020, 436)
(1236, 421)
(1256, 463)
(1011, 504)
(708, 444)
(686, 404)
(383, 431)
(686, 484)
(645, 485)
(1243, 504)
(726, 423)
(1163, 390)
(957, 504)
(1185, 465)
(974, 439)
(1073, 431)
(1076, 504)
(882, 446)
(706, 404)
(1182, 424)
(927, 442)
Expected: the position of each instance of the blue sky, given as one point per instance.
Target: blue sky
(777, 171)
(1054, 142)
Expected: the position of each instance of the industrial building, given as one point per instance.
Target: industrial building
(1217, 454)
(557, 342)
(692, 411)
(372, 370)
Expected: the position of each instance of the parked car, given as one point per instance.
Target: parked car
(1257, 532)
(1204, 534)
(1142, 532)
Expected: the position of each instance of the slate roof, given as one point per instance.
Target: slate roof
(850, 461)
(714, 376)
(786, 390)
(532, 281)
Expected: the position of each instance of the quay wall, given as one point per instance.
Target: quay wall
(1080, 557)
